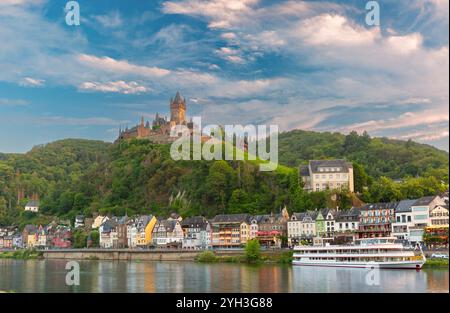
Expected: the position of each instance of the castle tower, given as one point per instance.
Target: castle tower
(178, 110)
(142, 130)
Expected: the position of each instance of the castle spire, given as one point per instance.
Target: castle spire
(178, 97)
(142, 120)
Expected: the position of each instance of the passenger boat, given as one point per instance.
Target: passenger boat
(382, 252)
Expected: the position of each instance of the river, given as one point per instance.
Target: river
(117, 276)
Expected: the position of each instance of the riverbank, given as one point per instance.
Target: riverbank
(436, 263)
(21, 255)
(231, 256)
(280, 257)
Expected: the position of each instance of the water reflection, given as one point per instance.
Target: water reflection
(151, 277)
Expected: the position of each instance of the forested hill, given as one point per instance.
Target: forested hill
(379, 156)
(81, 177)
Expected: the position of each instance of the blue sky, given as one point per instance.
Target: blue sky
(312, 65)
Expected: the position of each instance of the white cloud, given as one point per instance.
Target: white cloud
(76, 121)
(124, 67)
(220, 13)
(231, 55)
(32, 82)
(111, 20)
(427, 135)
(333, 30)
(13, 102)
(406, 120)
(405, 44)
(20, 2)
(117, 87)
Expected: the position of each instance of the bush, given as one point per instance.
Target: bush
(206, 256)
(252, 251)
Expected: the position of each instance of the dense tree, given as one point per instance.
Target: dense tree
(378, 156)
(361, 179)
(81, 177)
(384, 190)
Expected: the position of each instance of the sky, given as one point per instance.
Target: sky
(312, 65)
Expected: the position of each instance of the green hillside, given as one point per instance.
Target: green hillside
(82, 176)
(379, 156)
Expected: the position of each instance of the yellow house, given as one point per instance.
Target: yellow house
(149, 230)
(244, 232)
(31, 240)
(145, 229)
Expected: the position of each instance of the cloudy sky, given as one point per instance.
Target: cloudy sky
(312, 65)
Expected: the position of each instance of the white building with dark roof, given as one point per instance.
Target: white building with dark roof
(321, 175)
(32, 206)
(403, 219)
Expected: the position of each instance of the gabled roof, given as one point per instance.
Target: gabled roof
(169, 225)
(380, 206)
(316, 164)
(195, 222)
(231, 218)
(33, 203)
(296, 216)
(404, 206)
(424, 201)
(108, 225)
(348, 215)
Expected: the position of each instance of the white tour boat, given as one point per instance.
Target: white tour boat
(380, 252)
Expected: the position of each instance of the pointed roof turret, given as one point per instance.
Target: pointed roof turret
(178, 98)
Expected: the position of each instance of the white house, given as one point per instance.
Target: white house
(412, 216)
(108, 234)
(253, 227)
(403, 219)
(329, 216)
(321, 175)
(132, 231)
(167, 232)
(347, 221)
(32, 206)
(439, 215)
(301, 226)
(79, 221)
(197, 233)
(294, 228)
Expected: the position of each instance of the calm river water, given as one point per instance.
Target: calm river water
(116, 276)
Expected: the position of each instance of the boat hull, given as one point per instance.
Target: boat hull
(416, 265)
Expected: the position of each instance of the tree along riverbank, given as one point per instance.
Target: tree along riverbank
(25, 254)
(436, 263)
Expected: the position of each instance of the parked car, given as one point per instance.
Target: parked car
(439, 256)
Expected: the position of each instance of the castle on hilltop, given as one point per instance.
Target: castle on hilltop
(159, 131)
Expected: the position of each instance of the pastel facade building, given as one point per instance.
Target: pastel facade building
(321, 175)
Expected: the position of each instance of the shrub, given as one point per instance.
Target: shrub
(206, 256)
(252, 251)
